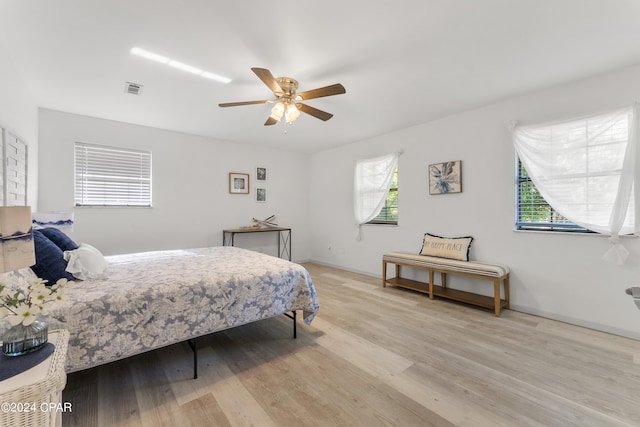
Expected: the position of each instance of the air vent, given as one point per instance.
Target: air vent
(133, 88)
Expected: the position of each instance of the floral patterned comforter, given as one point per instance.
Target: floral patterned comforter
(153, 299)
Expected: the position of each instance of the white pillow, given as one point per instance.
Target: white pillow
(86, 262)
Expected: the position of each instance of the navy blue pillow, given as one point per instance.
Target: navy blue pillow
(58, 237)
(50, 264)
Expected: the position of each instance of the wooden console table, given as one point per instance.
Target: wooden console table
(284, 238)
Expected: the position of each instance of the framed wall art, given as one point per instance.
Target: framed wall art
(445, 177)
(261, 174)
(238, 183)
(261, 194)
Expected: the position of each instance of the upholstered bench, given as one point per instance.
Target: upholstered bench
(475, 269)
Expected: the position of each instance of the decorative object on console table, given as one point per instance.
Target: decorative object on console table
(238, 183)
(445, 178)
(21, 303)
(260, 222)
(17, 251)
(21, 339)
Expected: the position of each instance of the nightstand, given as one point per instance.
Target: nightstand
(34, 397)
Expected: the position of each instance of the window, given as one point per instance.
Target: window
(532, 210)
(583, 168)
(389, 212)
(112, 176)
(373, 180)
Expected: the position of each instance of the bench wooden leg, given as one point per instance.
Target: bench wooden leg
(496, 296)
(507, 297)
(384, 273)
(443, 279)
(430, 284)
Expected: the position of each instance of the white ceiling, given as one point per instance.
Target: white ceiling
(402, 62)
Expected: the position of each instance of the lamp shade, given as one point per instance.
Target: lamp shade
(16, 238)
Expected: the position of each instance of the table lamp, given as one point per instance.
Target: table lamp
(16, 238)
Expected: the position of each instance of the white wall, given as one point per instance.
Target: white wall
(19, 114)
(191, 203)
(558, 276)
(555, 275)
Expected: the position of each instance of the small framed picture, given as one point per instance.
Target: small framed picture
(261, 174)
(238, 183)
(261, 194)
(445, 177)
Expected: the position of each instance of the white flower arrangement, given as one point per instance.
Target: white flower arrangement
(22, 305)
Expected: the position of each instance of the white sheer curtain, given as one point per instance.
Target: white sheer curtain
(371, 185)
(585, 169)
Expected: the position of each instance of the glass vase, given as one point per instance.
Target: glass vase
(21, 339)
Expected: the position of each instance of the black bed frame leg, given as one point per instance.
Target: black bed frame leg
(194, 347)
(293, 316)
(192, 344)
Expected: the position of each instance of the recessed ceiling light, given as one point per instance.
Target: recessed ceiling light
(178, 65)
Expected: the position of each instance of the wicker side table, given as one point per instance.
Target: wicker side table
(34, 397)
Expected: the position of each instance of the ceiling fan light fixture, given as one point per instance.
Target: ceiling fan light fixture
(291, 112)
(287, 109)
(277, 111)
(287, 101)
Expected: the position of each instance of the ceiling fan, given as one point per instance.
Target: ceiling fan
(288, 102)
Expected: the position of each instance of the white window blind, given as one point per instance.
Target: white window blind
(112, 176)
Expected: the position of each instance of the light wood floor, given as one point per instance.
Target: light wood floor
(373, 357)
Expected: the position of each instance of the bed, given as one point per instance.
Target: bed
(154, 299)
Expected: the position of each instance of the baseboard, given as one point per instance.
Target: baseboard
(578, 322)
(340, 267)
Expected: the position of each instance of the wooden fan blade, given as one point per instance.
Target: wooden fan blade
(319, 114)
(268, 79)
(330, 90)
(270, 121)
(235, 104)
